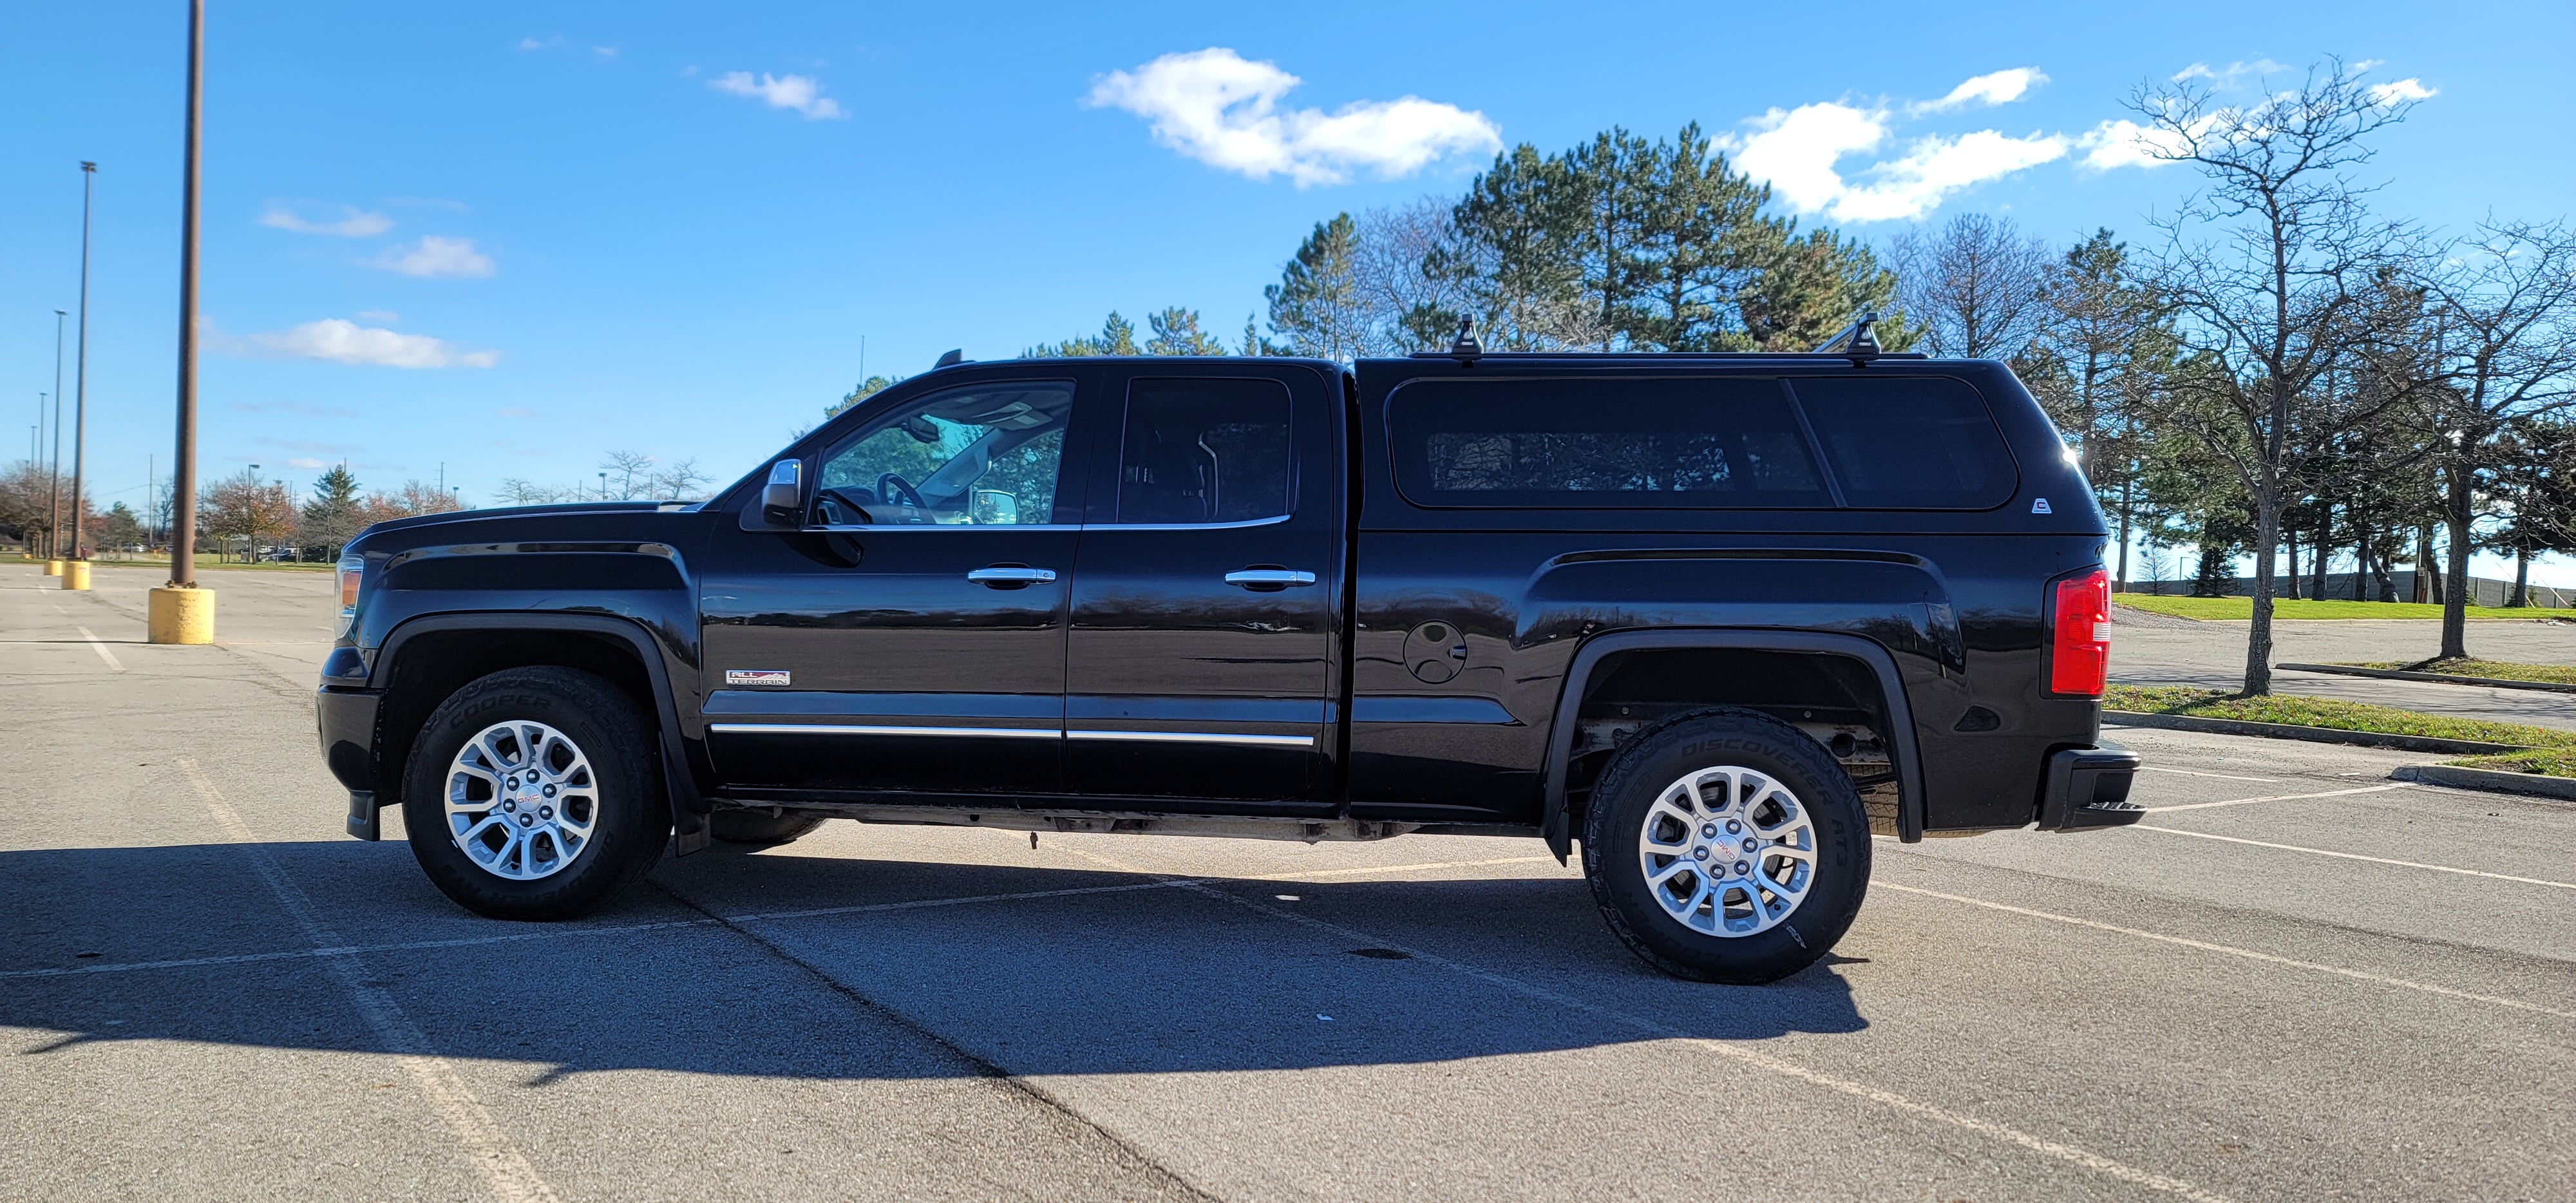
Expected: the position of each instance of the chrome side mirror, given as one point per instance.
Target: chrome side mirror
(784, 495)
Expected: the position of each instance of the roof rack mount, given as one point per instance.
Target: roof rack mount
(1855, 342)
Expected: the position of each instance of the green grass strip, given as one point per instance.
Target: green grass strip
(2340, 715)
(2224, 608)
(2543, 762)
(2501, 670)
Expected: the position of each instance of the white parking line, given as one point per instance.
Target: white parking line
(1437, 864)
(2332, 793)
(2154, 768)
(2376, 860)
(2230, 950)
(1759, 1060)
(505, 1169)
(101, 649)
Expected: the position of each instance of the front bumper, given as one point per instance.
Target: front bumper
(2088, 789)
(347, 722)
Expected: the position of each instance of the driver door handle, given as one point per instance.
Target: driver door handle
(1011, 574)
(1268, 578)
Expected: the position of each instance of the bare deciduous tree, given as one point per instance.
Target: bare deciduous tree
(624, 467)
(2496, 342)
(1977, 288)
(2265, 271)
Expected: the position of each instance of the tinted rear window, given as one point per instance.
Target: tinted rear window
(1909, 443)
(1592, 442)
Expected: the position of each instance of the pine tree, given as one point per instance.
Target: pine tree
(1315, 305)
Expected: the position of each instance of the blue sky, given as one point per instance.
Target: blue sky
(667, 228)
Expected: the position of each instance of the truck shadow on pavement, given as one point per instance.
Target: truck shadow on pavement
(949, 970)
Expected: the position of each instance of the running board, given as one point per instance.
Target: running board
(1120, 822)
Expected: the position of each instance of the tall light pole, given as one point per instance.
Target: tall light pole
(181, 612)
(54, 467)
(80, 386)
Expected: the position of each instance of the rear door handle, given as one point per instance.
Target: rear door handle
(1268, 578)
(1004, 576)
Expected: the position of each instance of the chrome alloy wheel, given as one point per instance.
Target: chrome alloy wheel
(1728, 851)
(521, 800)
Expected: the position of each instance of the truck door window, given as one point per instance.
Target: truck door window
(1204, 451)
(978, 456)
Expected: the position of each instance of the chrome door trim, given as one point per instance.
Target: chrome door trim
(1197, 737)
(847, 729)
(1011, 576)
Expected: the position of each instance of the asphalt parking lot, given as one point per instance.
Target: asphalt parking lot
(2297, 980)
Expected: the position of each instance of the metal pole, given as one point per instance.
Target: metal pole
(80, 377)
(54, 468)
(183, 473)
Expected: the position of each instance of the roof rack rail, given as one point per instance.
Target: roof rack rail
(1855, 342)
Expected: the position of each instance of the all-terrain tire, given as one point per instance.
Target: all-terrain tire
(630, 819)
(1748, 929)
(759, 828)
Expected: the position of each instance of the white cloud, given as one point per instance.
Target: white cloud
(1795, 149)
(1223, 110)
(797, 92)
(2000, 87)
(343, 341)
(2229, 74)
(534, 44)
(387, 316)
(1796, 152)
(352, 224)
(308, 462)
(2125, 143)
(2401, 91)
(436, 256)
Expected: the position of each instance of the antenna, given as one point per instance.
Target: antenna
(1855, 341)
(1466, 349)
(954, 357)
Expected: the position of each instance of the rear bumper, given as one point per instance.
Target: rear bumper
(347, 722)
(2088, 789)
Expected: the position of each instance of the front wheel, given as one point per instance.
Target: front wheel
(535, 793)
(1726, 846)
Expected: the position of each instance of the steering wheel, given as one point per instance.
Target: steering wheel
(838, 508)
(893, 488)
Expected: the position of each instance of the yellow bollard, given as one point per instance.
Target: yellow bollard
(76, 574)
(53, 568)
(177, 615)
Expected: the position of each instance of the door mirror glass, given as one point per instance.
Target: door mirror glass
(994, 507)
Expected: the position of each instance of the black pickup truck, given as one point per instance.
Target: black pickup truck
(1717, 618)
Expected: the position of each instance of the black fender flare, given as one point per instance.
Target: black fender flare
(1554, 822)
(688, 807)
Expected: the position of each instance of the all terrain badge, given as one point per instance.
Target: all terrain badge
(755, 676)
(2038, 505)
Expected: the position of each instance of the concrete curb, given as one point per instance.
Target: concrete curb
(2392, 674)
(2325, 735)
(2491, 780)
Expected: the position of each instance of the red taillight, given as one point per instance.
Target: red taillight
(2080, 635)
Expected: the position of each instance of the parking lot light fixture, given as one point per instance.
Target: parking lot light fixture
(180, 612)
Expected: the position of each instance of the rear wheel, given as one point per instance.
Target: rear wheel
(759, 827)
(534, 793)
(1726, 846)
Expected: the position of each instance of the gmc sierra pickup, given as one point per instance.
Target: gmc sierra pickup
(1717, 619)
